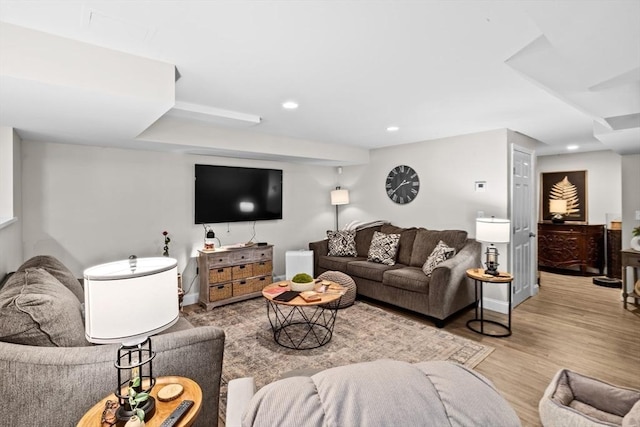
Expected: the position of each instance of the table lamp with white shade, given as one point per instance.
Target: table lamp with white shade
(126, 302)
(492, 230)
(558, 208)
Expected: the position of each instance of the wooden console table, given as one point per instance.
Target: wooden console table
(234, 274)
(569, 245)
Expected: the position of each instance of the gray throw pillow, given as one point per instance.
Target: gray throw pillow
(440, 253)
(36, 309)
(342, 243)
(383, 248)
(57, 270)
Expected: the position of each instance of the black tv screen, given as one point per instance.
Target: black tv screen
(232, 194)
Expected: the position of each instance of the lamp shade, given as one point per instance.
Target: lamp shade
(493, 230)
(558, 206)
(127, 301)
(339, 197)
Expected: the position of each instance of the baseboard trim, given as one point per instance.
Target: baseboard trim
(496, 305)
(190, 299)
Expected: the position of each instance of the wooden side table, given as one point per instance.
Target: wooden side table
(630, 258)
(191, 391)
(477, 274)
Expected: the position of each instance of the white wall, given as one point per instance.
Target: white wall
(604, 193)
(88, 205)
(11, 233)
(448, 169)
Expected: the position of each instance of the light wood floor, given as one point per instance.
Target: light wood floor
(572, 324)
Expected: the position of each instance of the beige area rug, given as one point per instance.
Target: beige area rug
(362, 333)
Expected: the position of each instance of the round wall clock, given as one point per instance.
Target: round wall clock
(402, 184)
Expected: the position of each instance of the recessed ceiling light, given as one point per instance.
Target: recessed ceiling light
(572, 147)
(290, 105)
(393, 129)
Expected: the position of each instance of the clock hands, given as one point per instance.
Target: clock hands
(404, 182)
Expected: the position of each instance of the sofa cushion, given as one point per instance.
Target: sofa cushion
(426, 241)
(363, 240)
(36, 309)
(405, 246)
(57, 270)
(369, 270)
(342, 243)
(409, 278)
(337, 263)
(383, 248)
(440, 253)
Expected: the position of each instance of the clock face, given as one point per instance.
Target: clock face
(402, 184)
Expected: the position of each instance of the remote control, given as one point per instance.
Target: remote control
(177, 413)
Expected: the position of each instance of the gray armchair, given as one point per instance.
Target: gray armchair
(51, 376)
(56, 385)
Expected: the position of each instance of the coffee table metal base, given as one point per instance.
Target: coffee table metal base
(302, 327)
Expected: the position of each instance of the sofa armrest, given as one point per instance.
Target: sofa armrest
(449, 288)
(319, 248)
(239, 394)
(57, 385)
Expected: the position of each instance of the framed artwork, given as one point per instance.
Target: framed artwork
(569, 186)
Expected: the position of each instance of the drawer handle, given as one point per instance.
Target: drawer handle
(263, 263)
(242, 257)
(262, 279)
(241, 266)
(221, 287)
(243, 282)
(221, 270)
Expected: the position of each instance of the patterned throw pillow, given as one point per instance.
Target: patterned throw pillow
(440, 253)
(342, 243)
(383, 248)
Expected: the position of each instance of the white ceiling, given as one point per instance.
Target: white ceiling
(562, 72)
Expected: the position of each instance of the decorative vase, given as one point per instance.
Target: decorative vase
(635, 243)
(134, 421)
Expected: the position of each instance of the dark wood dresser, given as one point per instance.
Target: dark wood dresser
(562, 246)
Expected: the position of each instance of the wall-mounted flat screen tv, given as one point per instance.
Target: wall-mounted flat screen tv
(232, 194)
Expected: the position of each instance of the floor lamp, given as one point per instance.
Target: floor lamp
(339, 197)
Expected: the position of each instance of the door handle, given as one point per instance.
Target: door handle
(531, 234)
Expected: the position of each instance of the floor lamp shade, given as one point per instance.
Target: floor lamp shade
(130, 300)
(339, 197)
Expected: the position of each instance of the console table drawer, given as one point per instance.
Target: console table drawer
(242, 271)
(222, 274)
(219, 292)
(262, 268)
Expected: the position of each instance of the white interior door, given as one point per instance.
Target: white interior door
(522, 256)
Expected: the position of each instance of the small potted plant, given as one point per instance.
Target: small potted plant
(302, 282)
(135, 399)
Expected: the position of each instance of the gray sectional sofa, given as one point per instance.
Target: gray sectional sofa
(404, 284)
(51, 375)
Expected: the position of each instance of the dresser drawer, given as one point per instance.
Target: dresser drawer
(221, 274)
(241, 271)
(261, 268)
(263, 254)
